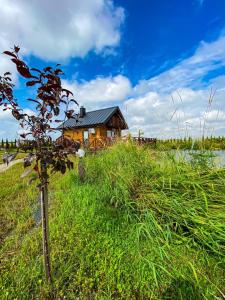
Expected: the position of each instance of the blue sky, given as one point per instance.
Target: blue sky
(157, 60)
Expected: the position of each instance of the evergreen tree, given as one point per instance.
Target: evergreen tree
(7, 144)
(2, 144)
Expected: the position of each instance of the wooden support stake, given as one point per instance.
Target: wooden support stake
(45, 224)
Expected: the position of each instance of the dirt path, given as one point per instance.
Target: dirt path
(4, 167)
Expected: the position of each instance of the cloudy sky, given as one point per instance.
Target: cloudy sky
(158, 60)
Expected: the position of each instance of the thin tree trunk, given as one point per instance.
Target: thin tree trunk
(81, 169)
(45, 225)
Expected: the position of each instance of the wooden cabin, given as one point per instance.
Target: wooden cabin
(95, 129)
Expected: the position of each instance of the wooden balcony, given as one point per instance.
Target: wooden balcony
(100, 143)
(143, 140)
(104, 142)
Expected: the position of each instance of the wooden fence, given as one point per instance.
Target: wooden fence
(143, 140)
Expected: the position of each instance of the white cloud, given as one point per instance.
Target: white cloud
(57, 30)
(11, 128)
(174, 103)
(76, 27)
(189, 113)
(182, 94)
(189, 72)
(100, 91)
(10, 125)
(7, 66)
(215, 116)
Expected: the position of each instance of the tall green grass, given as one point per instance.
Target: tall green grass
(141, 226)
(206, 143)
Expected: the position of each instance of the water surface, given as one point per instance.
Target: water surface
(218, 156)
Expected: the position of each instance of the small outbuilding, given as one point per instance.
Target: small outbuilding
(95, 128)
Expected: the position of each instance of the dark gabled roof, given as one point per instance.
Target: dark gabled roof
(92, 118)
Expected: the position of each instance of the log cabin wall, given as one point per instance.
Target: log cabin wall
(100, 132)
(116, 121)
(74, 134)
(78, 134)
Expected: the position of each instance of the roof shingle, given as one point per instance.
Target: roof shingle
(91, 118)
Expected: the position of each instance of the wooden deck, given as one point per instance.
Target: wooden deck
(143, 140)
(102, 143)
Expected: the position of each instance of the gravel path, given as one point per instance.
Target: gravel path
(4, 167)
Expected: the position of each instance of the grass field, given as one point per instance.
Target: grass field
(141, 226)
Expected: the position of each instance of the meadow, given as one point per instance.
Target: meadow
(142, 225)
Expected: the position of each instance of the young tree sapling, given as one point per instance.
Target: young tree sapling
(49, 96)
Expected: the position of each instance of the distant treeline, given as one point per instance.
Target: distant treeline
(5, 144)
(24, 145)
(206, 143)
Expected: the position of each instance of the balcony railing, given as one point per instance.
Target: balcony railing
(104, 142)
(143, 140)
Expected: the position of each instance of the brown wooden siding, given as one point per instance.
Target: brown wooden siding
(100, 132)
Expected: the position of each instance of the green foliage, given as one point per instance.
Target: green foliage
(142, 225)
(205, 143)
(7, 144)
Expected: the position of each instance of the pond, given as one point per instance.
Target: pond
(217, 156)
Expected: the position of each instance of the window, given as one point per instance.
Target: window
(110, 133)
(85, 135)
(91, 130)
